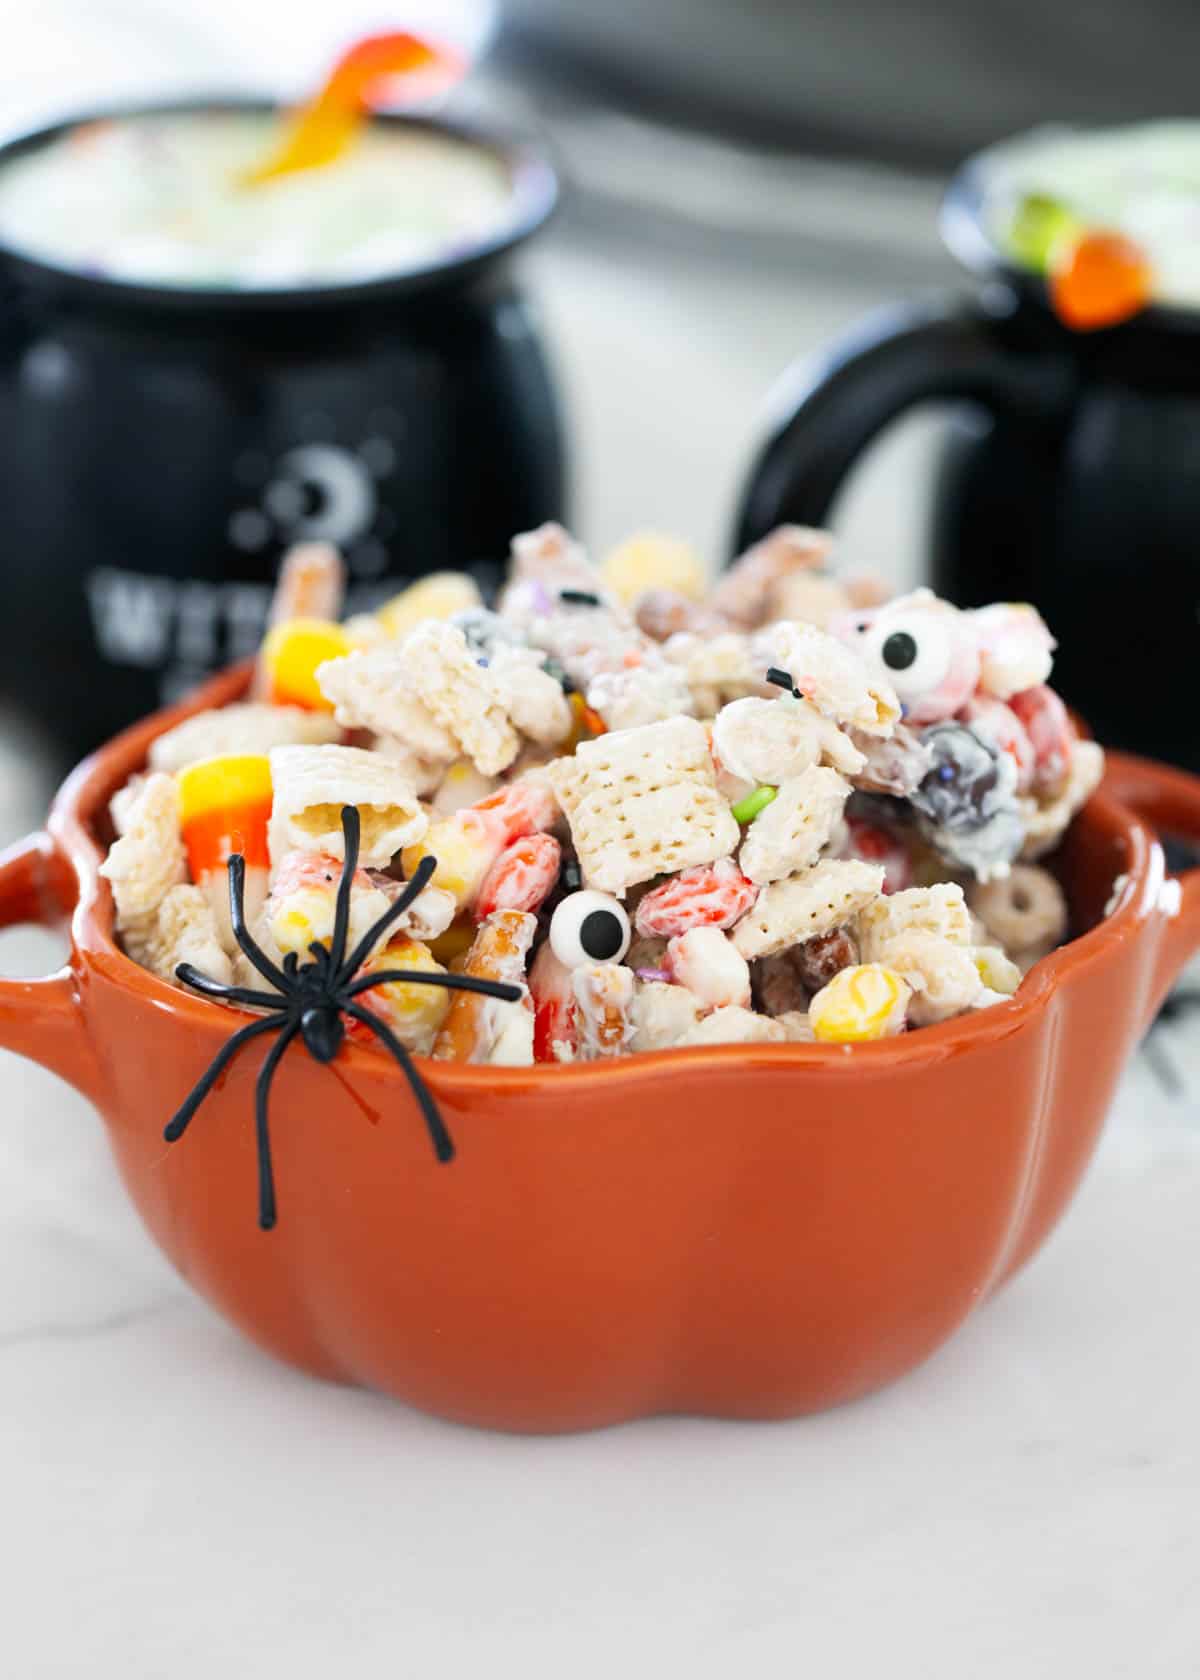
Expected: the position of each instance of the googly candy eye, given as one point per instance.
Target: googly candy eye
(589, 927)
(926, 651)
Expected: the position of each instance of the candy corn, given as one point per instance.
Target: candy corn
(290, 656)
(225, 807)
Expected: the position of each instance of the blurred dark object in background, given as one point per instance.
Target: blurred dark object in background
(161, 448)
(920, 82)
(1070, 482)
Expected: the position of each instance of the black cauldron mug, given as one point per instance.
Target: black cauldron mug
(160, 447)
(1072, 479)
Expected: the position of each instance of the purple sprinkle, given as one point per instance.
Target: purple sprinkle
(541, 598)
(652, 974)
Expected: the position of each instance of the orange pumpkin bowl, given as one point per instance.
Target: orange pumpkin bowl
(743, 1231)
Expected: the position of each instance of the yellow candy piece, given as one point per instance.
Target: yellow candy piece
(290, 655)
(859, 1004)
(225, 782)
(440, 595)
(412, 1009)
(651, 560)
(305, 916)
(462, 857)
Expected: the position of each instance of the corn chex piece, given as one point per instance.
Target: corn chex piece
(149, 858)
(460, 694)
(247, 727)
(372, 689)
(643, 802)
(830, 674)
(795, 827)
(790, 912)
(312, 784)
(940, 909)
(733, 1025)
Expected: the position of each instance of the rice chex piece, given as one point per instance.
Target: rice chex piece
(643, 802)
(790, 912)
(940, 909)
(795, 827)
(312, 784)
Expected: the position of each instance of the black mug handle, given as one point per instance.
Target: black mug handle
(833, 405)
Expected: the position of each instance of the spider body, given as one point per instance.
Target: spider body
(309, 1001)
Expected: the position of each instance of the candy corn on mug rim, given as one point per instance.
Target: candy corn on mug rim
(1141, 890)
(742, 1231)
(533, 199)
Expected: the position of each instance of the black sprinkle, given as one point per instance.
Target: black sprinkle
(781, 679)
(579, 597)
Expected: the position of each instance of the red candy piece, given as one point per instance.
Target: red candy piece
(707, 895)
(1048, 726)
(871, 844)
(516, 810)
(521, 877)
(550, 987)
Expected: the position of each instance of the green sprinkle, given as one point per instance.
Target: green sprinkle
(747, 809)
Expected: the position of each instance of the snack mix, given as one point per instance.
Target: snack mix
(784, 808)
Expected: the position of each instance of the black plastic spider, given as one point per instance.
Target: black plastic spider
(310, 1001)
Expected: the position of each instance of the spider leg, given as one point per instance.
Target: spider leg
(227, 994)
(451, 982)
(351, 831)
(413, 890)
(266, 1175)
(237, 917)
(443, 1146)
(179, 1122)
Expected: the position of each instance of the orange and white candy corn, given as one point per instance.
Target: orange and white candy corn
(225, 808)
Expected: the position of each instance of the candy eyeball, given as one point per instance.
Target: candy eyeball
(589, 927)
(926, 650)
